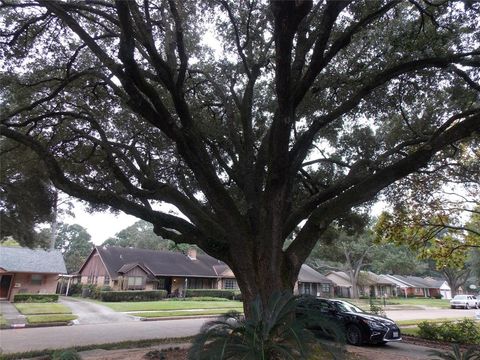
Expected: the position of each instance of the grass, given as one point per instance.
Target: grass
(131, 344)
(409, 302)
(50, 318)
(156, 314)
(411, 331)
(3, 322)
(436, 321)
(42, 308)
(172, 305)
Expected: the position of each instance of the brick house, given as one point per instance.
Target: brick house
(142, 269)
(31, 271)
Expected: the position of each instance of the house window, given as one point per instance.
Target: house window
(307, 289)
(106, 280)
(418, 291)
(230, 284)
(36, 279)
(326, 288)
(135, 281)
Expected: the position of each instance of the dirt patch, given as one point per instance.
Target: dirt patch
(136, 354)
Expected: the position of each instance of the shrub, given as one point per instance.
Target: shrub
(65, 355)
(438, 296)
(269, 333)
(463, 332)
(35, 298)
(142, 295)
(75, 289)
(456, 353)
(218, 293)
(428, 330)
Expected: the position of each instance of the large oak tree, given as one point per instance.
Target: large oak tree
(257, 120)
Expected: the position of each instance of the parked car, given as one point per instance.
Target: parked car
(332, 317)
(464, 301)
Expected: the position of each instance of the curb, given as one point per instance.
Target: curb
(27, 326)
(177, 317)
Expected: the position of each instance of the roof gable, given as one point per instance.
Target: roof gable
(17, 259)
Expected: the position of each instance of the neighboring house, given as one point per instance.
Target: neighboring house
(311, 282)
(415, 286)
(369, 284)
(25, 270)
(142, 269)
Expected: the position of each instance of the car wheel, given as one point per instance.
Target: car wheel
(353, 335)
(452, 307)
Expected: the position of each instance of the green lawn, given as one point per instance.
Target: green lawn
(436, 321)
(409, 302)
(173, 305)
(42, 308)
(439, 303)
(3, 322)
(50, 318)
(155, 314)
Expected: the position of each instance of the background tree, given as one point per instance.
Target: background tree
(75, 243)
(140, 235)
(396, 259)
(308, 111)
(348, 253)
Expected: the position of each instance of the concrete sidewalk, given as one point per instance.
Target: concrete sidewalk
(11, 314)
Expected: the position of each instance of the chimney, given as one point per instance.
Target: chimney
(192, 253)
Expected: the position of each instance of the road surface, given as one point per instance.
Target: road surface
(113, 329)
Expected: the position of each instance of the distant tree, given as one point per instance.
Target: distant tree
(350, 253)
(75, 243)
(396, 259)
(456, 277)
(140, 235)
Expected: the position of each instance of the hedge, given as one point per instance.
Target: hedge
(141, 295)
(218, 293)
(35, 298)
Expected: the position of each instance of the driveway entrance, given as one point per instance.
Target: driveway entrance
(89, 312)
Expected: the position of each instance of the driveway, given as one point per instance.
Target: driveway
(89, 312)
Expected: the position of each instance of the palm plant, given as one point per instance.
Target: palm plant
(473, 353)
(268, 334)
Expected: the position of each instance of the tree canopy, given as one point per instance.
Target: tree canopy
(140, 235)
(75, 243)
(252, 118)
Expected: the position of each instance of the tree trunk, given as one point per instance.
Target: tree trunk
(257, 280)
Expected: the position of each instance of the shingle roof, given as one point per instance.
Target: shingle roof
(17, 259)
(160, 263)
(307, 274)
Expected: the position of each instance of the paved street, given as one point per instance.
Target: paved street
(19, 340)
(430, 314)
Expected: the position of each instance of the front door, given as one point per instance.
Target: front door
(5, 282)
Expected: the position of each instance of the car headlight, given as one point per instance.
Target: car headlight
(375, 325)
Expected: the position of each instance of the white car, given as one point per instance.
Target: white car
(464, 301)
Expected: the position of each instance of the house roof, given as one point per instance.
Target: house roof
(339, 278)
(17, 259)
(418, 282)
(309, 275)
(159, 263)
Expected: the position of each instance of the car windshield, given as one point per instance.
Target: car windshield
(344, 306)
(460, 297)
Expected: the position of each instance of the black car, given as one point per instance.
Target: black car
(338, 317)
